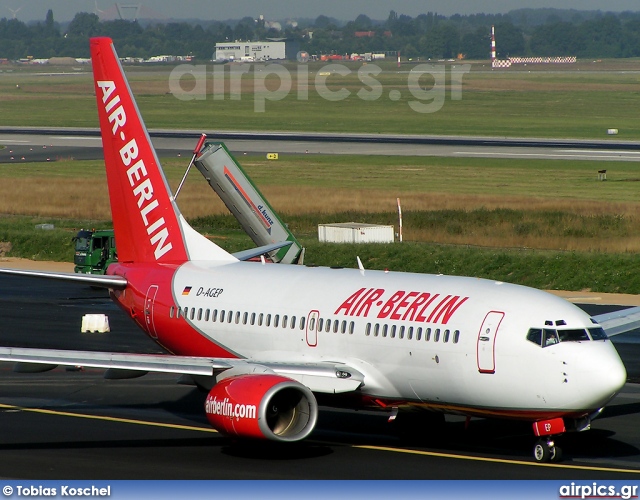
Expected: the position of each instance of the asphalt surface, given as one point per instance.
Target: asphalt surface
(77, 425)
(41, 145)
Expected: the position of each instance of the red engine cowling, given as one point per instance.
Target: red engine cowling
(262, 406)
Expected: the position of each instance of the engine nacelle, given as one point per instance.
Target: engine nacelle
(264, 406)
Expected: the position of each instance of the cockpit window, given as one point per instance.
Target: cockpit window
(542, 337)
(550, 337)
(598, 334)
(576, 335)
(535, 336)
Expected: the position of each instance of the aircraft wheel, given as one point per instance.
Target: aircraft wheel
(543, 451)
(546, 451)
(556, 454)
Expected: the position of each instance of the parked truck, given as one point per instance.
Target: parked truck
(94, 251)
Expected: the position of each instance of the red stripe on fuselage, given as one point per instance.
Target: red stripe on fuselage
(174, 334)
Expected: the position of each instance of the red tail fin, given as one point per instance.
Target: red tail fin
(146, 221)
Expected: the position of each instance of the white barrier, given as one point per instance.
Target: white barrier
(95, 323)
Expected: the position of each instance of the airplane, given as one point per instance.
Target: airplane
(269, 342)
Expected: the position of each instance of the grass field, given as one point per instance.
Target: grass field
(581, 101)
(548, 224)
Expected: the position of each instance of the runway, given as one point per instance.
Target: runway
(41, 145)
(76, 425)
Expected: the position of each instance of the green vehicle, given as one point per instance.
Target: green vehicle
(94, 251)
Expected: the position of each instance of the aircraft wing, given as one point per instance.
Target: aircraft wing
(115, 282)
(324, 377)
(617, 322)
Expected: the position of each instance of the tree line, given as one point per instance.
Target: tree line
(525, 32)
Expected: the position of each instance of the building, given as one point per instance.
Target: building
(249, 51)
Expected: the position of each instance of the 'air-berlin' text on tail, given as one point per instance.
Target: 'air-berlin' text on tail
(147, 223)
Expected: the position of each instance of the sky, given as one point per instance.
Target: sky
(64, 10)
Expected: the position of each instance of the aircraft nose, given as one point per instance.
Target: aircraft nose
(612, 375)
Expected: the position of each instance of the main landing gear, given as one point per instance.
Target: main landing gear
(545, 450)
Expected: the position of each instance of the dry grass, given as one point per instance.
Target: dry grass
(81, 198)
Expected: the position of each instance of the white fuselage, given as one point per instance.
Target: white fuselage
(450, 343)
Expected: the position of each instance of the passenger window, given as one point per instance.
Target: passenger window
(367, 329)
(436, 335)
(238, 317)
(401, 334)
(284, 321)
(343, 327)
(186, 312)
(276, 320)
(268, 322)
(312, 324)
(171, 312)
(328, 326)
(352, 327)
(419, 333)
(376, 330)
(446, 336)
(456, 336)
(302, 320)
(393, 331)
(214, 316)
(207, 313)
(385, 328)
(293, 322)
(335, 325)
(260, 317)
(245, 316)
(427, 334)
(253, 318)
(320, 324)
(200, 314)
(193, 313)
(229, 316)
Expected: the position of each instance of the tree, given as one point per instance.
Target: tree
(509, 40)
(84, 25)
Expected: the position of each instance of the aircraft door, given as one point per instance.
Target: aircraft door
(487, 340)
(312, 328)
(148, 310)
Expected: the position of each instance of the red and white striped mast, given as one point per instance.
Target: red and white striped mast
(493, 44)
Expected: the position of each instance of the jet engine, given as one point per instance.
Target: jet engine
(264, 406)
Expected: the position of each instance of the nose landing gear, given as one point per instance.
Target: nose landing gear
(545, 450)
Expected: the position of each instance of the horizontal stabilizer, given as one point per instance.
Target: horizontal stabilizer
(258, 251)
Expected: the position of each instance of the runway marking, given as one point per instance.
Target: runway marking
(109, 419)
(363, 447)
(497, 460)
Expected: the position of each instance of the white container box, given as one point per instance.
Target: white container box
(355, 232)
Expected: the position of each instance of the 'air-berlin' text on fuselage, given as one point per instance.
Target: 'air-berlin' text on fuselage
(401, 305)
(142, 187)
